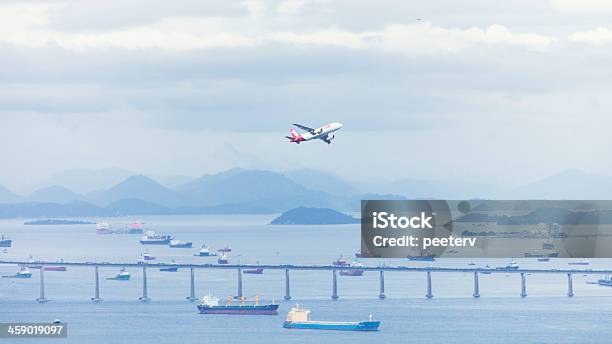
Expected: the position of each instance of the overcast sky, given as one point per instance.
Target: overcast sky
(503, 92)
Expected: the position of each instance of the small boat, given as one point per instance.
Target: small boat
(145, 257)
(103, 228)
(180, 244)
(257, 271)
(210, 305)
(582, 262)
(205, 252)
(170, 268)
(123, 275)
(360, 254)
(606, 281)
(299, 318)
(33, 264)
(486, 272)
(22, 273)
(340, 262)
(427, 258)
(223, 259)
(540, 255)
(353, 272)
(156, 239)
(55, 268)
(511, 266)
(225, 249)
(4, 242)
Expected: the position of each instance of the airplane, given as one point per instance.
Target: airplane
(324, 133)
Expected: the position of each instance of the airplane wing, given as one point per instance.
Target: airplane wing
(303, 127)
(326, 139)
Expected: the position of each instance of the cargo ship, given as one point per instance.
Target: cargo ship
(511, 266)
(300, 318)
(426, 258)
(135, 227)
(210, 305)
(257, 271)
(180, 244)
(582, 262)
(5, 242)
(55, 268)
(156, 239)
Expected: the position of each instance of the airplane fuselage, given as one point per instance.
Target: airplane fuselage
(322, 133)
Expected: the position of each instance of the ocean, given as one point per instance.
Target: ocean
(500, 315)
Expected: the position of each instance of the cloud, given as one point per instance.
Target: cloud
(34, 26)
(582, 6)
(599, 36)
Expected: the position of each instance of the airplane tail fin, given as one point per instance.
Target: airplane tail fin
(294, 133)
(295, 136)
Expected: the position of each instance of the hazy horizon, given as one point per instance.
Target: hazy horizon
(492, 92)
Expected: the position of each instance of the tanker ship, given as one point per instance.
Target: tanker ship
(210, 305)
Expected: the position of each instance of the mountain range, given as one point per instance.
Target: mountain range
(260, 191)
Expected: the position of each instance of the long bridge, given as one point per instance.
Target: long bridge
(288, 267)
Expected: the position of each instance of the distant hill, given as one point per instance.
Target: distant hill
(239, 186)
(570, 184)
(87, 180)
(322, 181)
(133, 206)
(440, 189)
(7, 196)
(55, 194)
(313, 216)
(38, 209)
(138, 187)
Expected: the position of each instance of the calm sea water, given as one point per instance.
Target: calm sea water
(453, 316)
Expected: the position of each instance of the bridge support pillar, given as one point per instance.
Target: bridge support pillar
(334, 285)
(523, 285)
(42, 297)
(429, 295)
(192, 296)
(239, 283)
(570, 287)
(287, 287)
(96, 297)
(476, 286)
(145, 296)
(381, 287)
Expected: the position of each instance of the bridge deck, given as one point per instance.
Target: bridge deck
(310, 267)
